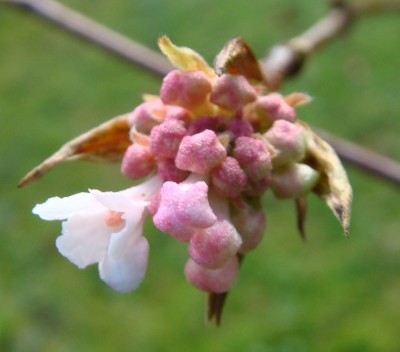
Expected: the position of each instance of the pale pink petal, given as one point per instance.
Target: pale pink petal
(84, 238)
(57, 208)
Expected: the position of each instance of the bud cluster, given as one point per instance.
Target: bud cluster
(217, 143)
(209, 147)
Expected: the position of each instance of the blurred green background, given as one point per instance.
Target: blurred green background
(330, 294)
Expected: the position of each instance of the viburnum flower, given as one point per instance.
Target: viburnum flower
(209, 146)
(105, 228)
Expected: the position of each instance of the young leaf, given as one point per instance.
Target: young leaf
(334, 187)
(106, 142)
(183, 58)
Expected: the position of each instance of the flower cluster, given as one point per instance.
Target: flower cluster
(208, 146)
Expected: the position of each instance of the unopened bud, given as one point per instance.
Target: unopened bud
(294, 181)
(253, 156)
(212, 280)
(215, 245)
(138, 161)
(232, 92)
(289, 141)
(187, 89)
(229, 179)
(200, 153)
(166, 137)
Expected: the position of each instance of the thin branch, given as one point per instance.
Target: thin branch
(376, 6)
(363, 158)
(97, 33)
(283, 60)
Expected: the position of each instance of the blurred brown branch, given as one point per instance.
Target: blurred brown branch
(96, 33)
(283, 60)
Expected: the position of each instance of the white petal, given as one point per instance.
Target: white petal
(122, 201)
(62, 208)
(117, 201)
(85, 238)
(126, 271)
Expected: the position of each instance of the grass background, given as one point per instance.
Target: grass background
(330, 294)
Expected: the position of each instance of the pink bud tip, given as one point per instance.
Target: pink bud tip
(147, 115)
(167, 171)
(253, 156)
(289, 141)
(166, 137)
(187, 89)
(213, 123)
(214, 246)
(138, 161)
(152, 113)
(273, 107)
(229, 179)
(200, 153)
(232, 92)
(238, 128)
(212, 280)
(183, 206)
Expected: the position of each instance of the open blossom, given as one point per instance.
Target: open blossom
(104, 228)
(210, 147)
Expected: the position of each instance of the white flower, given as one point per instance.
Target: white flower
(105, 228)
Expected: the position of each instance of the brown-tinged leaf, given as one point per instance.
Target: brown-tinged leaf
(106, 142)
(334, 186)
(301, 210)
(184, 58)
(297, 99)
(237, 58)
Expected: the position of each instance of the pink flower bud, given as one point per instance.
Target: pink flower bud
(200, 153)
(212, 280)
(138, 161)
(152, 113)
(213, 123)
(294, 181)
(183, 207)
(229, 179)
(272, 107)
(147, 115)
(253, 156)
(214, 246)
(187, 89)
(238, 128)
(167, 171)
(232, 92)
(289, 141)
(166, 137)
(250, 223)
(177, 113)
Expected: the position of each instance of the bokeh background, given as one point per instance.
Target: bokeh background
(329, 294)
